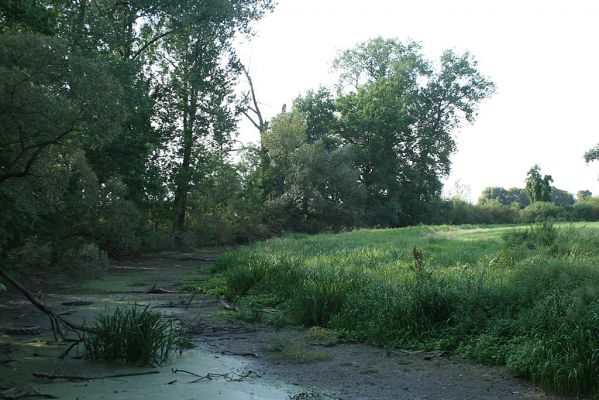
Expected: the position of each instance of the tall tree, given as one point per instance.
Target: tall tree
(399, 110)
(197, 107)
(538, 188)
(584, 195)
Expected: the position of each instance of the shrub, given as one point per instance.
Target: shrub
(540, 211)
(85, 259)
(30, 255)
(134, 335)
(586, 210)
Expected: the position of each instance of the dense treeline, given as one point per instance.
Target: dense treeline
(119, 122)
(117, 119)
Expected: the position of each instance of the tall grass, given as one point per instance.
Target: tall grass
(527, 298)
(134, 335)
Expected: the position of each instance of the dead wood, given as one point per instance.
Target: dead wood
(228, 307)
(56, 321)
(12, 394)
(229, 376)
(75, 378)
(158, 290)
(197, 259)
(233, 353)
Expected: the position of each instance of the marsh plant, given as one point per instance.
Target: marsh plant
(134, 335)
(525, 297)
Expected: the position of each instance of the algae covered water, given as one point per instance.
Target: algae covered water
(166, 384)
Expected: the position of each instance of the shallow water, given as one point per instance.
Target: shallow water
(164, 385)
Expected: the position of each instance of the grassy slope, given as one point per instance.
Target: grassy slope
(528, 300)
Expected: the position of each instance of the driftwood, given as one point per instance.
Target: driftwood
(56, 321)
(229, 376)
(75, 378)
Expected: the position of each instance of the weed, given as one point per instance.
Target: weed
(527, 298)
(321, 336)
(134, 335)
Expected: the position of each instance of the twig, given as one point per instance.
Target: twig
(190, 300)
(229, 376)
(74, 378)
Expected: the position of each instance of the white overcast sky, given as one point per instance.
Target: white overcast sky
(543, 56)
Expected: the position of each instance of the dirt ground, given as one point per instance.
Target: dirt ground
(289, 354)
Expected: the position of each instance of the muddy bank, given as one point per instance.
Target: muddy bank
(276, 363)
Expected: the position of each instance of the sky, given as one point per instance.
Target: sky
(543, 55)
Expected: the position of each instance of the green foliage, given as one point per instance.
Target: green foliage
(86, 259)
(583, 195)
(538, 188)
(525, 298)
(30, 255)
(592, 154)
(134, 335)
(544, 234)
(562, 198)
(505, 197)
(540, 211)
(587, 210)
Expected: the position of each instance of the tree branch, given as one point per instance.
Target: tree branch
(151, 42)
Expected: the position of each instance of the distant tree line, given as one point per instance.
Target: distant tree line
(538, 201)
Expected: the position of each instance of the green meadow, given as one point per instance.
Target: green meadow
(526, 297)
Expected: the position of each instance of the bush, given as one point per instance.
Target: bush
(586, 210)
(87, 258)
(134, 335)
(540, 211)
(30, 255)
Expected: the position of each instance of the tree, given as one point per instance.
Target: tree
(505, 197)
(592, 154)
(538, 188)
(198, 110)
(518, 196)
(583, 195)
(562, 197)
(399, 112)
(498, 194)
(310, 186)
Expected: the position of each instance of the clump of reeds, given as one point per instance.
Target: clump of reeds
(134, 335)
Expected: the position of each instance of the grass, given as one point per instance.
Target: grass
(134, 335)
(523, 297)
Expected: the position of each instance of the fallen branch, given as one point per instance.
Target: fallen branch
(229, 376)
(158, 290)
(55, 320)
(233, 353)
(75, 378)
(12, 394)
(227, 306)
